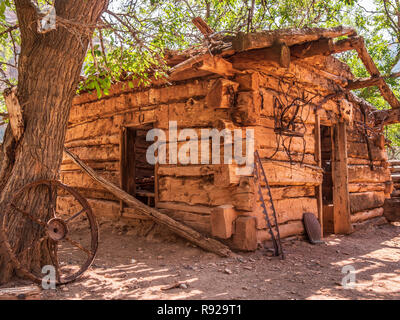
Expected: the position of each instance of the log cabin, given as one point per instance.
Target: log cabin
(322, 148)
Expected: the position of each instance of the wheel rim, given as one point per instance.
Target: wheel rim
(56, 231)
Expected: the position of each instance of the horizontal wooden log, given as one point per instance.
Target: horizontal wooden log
(268, 110)
(282, 173)
(285, 230)
(192, 191)
(394, 162)
(364, 174)
(281, 155)
(366, 215)
(366, 187)
(96, 165)
(312, 48)
(187, 171)
(184, 207)
(81, 180)
(158, 217)
(396, 178)
(97, 153)
(267, 138)
(217, 65)
(196, 221)
(394, 169)
(286, 210)
(366, 200)
(263, 39)
(331, 65)
(277, 55)
(108, 139)
(360, 150)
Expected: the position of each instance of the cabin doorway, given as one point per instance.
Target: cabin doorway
(137, 175)
(327, 182)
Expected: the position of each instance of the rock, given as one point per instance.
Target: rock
(251, 260)
(133, 261)
(247, 268)
(183, 286)
(227, 271)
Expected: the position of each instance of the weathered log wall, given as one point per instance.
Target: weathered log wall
(191, 193)
(369, 174)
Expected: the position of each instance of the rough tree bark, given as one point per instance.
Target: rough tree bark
(48, 73)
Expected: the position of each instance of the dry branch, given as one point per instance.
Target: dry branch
(158, 217)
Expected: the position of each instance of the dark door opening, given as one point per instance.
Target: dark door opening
(327, 182)
(137, 175)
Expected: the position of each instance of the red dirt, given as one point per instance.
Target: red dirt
(308, 272)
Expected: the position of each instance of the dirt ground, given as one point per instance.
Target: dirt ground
(132, 266)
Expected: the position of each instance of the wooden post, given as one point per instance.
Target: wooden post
(122, 164)
(318, 159)
(341, 201)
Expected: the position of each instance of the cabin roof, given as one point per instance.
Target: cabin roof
(314, 47)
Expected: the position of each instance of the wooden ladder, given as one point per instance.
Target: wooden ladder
(259, 174)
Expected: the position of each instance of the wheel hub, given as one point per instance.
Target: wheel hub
(57, 229)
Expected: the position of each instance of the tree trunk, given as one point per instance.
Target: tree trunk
(48, 73)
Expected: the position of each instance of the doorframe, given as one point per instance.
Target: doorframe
(318, 159)
(340, 183)
(340, 179)
(123, 154)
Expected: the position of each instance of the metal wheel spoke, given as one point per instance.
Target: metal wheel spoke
(38, 221)
(78, 245)
(38, 243)
(54, 258)
(76, 215)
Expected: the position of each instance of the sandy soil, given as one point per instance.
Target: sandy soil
(131, 266)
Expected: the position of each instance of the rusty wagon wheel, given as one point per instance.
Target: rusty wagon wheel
(56, 231)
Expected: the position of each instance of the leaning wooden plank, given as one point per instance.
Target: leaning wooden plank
(179, 228)
(20, 293)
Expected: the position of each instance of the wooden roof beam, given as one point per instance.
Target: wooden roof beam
(373, 70)
(328, 47)
(363, 83)
(323, 47)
